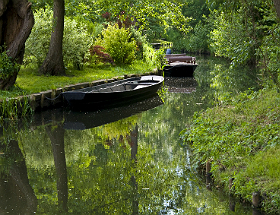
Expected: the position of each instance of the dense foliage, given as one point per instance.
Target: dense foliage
(246, 33)
(97, 55)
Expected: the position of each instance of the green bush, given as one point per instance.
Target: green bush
(76, 40)
(118, 43)
(37, 44)
(154, 57)
(14, 108)
(140, 41)
(7, 66)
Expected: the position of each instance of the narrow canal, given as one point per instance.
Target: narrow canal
(127, 160)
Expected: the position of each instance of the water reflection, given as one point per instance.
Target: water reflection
(180, 85)
(128, 161)
(16, 193)
(84, 120)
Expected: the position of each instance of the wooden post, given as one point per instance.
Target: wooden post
(32, 102)
(208, 168)
(53, 95)
(256, 199)
(42, 100)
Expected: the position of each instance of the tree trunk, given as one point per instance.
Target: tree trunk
(16, 22)
(277, 7)
(53, 64)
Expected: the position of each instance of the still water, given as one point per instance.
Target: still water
(126, 160)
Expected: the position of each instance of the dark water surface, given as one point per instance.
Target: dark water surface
(127, 160)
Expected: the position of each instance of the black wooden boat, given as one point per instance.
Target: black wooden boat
(179, 65)
(114, 93)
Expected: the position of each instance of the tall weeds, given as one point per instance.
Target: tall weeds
(14, 108)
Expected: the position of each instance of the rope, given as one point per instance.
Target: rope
(53, 98)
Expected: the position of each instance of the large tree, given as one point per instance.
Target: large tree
(53, 63)
(16, 22)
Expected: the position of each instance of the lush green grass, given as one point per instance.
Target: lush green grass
(242, 139)
(29, 81)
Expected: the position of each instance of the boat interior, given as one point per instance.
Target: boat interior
(125, 86)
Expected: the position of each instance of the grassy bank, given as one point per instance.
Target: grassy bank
(242, 141)
(29, 81)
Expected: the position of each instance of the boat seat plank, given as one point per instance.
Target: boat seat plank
(141, 86)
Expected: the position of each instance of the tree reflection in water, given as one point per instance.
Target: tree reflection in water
(56, 135)
(16, 194)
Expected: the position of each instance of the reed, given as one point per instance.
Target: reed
(13, 108)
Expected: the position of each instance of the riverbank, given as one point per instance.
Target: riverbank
(241, 141)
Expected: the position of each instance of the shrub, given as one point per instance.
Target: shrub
(14, 108)
(140, 41)
(97, 53)
(7, 66)
(76, 40)
(118, 43)
(154, 57)
(37, 44)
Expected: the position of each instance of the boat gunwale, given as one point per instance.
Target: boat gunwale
(120, 82)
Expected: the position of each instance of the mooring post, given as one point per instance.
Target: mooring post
(42, 100)
(32, 102)
(53, 95)
(256, 199)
